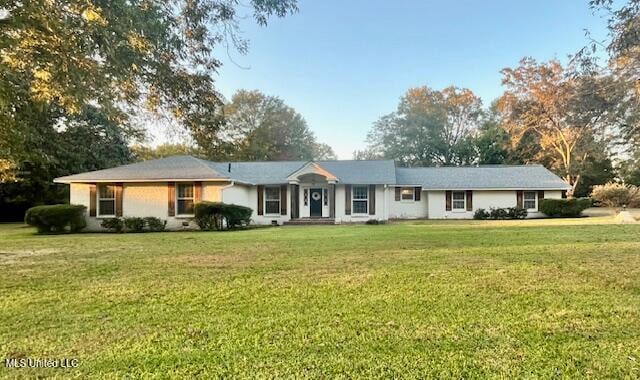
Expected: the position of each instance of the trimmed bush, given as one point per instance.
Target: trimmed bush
(500, 213)
(481, 214)
(134, 224)
(113, 224)
(56, 218)
(211, 216)
(154, 224)
(517, 213)
(374, 222)
(616, 195)
(564, 208)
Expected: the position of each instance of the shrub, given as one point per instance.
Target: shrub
(481, 214)
(215, 215)
(236, 216)
(500, 213)
(134, 224)
(564, 208)
(154, 224)
(517, 213)
(616, 195)
(112, 224)
(56, 218)
(374, 221)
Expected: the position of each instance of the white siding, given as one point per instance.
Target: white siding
(248, 196)
(407, 209)
(145, 199)
(381, 212)
(486, 199)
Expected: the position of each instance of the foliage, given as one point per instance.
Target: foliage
(329, 298)
(616, 195)
(52, 144)
(500, 213)
(567, 112)
(211, 216)
(429, 127)
(134, 224)
(564, 208)
(261, 127)
(112, 224)
(374, 222)
(119, 54)
(145, 153)
(56, 218)
(623, 47)
(154, 224)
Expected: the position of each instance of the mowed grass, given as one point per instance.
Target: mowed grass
(526, 299)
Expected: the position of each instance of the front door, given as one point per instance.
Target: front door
(316, 203)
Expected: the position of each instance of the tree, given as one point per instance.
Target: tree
(570, 114)
(261, 127)
(121, 54)
(623, 46)
(429, 127)
(59, 145)
(144, 153)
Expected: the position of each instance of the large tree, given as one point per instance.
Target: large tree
(122, 54)
(569, 113)
(429, 127)
(261, 127)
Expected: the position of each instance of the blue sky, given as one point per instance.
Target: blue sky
(343, 64)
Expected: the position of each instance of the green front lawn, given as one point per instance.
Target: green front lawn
(425, 299)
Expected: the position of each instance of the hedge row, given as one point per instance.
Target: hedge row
(564, 208)
(500, 213)
(217, 215)
(134, 224)
(56, 218)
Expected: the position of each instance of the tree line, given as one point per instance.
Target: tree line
(75, 77)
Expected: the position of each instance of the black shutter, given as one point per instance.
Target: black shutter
(347, 199)
(372, 199)
(260, 200)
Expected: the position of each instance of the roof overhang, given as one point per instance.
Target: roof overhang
(312, 168)
(143, 180)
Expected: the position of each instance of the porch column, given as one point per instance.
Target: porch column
(332, 201)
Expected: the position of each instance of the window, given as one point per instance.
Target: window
(407, 193)
(306, 197)
(360, 199)
(272, 200)
(459, 200)
(326, 197)
(530, 200)
(185, 198)
(106, 200)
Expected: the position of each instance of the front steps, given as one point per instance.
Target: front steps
(310, 222)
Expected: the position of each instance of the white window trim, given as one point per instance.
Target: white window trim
(413, 194)
(535, 199)
(464, 200)
(99, 198)
(353, 200)
(193, 198)
(264, 201)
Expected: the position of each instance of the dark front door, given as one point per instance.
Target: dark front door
(316, 202)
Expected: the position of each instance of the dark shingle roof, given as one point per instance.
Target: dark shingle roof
(174, 167)
(482, 177)
(273, 172)
(350, 172)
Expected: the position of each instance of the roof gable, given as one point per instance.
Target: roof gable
(312, 168)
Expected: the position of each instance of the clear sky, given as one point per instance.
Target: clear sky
(343, 64)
